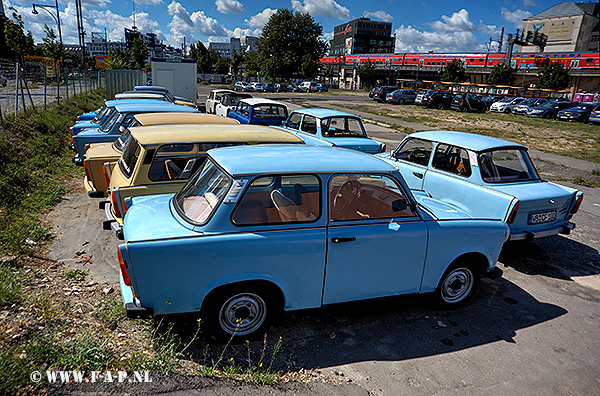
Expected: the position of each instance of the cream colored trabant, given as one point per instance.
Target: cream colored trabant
(160, 159)
(96, 155)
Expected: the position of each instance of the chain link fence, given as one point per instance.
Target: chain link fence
(36, 82)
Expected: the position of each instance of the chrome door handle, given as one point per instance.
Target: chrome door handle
(419, 175)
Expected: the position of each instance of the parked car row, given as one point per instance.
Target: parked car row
(305, 86)
(224, 205)
(470, 102)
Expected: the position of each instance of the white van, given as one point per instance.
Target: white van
(309, 86)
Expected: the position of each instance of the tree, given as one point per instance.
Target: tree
(290, 42)
(454, 71)
(206, 59)
(16, 40)
(137, 53)
(308, 66)
(328, 73)
(222, 66)
(51, 46)
(236, 62)
(366, 72)
(120, 60)
(554, 76)
(501, 74)
(253, 63)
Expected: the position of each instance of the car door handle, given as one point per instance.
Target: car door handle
(419, 175)
(340, 240)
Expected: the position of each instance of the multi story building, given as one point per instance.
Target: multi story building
(362, 36)
(570, 27)
(236, 44)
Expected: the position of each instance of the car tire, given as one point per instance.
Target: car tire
(401, 101)
(458, 285)
(506, 111)
(440, 106)
(464, 109)
(238, 313)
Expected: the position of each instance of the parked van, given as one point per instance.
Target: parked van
(309, 86)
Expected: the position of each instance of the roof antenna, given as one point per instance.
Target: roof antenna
(134, 27)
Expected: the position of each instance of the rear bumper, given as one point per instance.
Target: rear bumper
(91, 190)
(132, 305)
(530, 235)
(111, 222)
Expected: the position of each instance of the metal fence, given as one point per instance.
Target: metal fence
(35, 83)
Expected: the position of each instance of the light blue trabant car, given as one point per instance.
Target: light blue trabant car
(332, 128)
(120, 117)
(474, 172)
(269, 227)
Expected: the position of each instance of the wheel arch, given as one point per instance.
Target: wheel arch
(478, 260)
(272, 289)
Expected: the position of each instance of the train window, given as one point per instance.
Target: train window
(589, 60)
(480, 60)
(579, 55)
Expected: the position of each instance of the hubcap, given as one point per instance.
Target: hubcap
(457, 285)
(243, 314)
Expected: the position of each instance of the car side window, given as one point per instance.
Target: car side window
(244, 109)
(294, 121)
(416, 151)
(279, 199)
(452, 159)
(366, 197)
(309, 124)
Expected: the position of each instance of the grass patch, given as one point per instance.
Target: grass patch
(584, 182)
(76, 274)
(11, 285)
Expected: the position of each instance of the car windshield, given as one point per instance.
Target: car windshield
(583, 106)
(506, 166)
(200, 197)
(269, 111)
(548, 105)
(505, 100)
(342, 127)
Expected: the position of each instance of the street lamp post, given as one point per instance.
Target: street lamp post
(57, 20)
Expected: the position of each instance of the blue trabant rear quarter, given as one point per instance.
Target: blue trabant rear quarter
(303, 226)
(488, 177)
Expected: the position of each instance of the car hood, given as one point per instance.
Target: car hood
(366, 145)
(78, 127)
(165, 225)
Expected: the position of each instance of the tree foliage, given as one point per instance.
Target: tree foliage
(501, 74)
(454, 71)
(137, 54)
(16, 40)
(290, 43)
(205, 59)
(52, 48)
(236, 62)
(554, 76)
(222, 66)
(366, 72)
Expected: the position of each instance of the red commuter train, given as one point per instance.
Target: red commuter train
(573, 60)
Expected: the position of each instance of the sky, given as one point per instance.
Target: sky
(419, 25)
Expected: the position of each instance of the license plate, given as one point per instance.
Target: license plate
(536, 218)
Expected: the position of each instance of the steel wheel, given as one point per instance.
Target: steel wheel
(242, 314)
(401, 101)
(457, 286)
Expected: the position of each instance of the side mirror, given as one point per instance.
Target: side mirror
(399, 205)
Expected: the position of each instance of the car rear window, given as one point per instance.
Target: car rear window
(342, 127)
(200, 197)
(129, 158)
(269, 111)
(506, 165)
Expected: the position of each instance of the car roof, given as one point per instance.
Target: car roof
(254, 101)
(140, 95)
(157, 134)
(182, 118)
(113, 103)
(150, 88)
(469, 141)
(222, 90)
(322, 113)
(263, 159)
(149, 105)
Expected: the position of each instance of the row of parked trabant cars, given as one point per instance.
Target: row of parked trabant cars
(239, 222)
(471, 102)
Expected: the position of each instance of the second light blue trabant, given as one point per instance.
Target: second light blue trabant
(332, 128)
(474, 172)
(260, 229)
(121, 115)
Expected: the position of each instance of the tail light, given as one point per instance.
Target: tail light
(123, 267)
(87, 173)
(575, 207)
(383, 147)
(73, 140)
(106, 176)
(513, 214)
(115, 204)
(87, 147)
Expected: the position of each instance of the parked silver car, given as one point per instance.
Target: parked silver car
(505, 105)
(401, 96)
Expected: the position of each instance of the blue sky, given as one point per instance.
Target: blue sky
(420, 25)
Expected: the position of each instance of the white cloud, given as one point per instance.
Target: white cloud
(95, 3)
(148, 2)
(515, 17)
(327, 36)
(324, 8)
(259, 20)
(409, 39)
(458, 22)
(529, 3)
(196, 23)
(379, 15)
(229, 6)
(239, 32)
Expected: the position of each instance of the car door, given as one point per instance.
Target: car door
(412, 159)
(376, 244)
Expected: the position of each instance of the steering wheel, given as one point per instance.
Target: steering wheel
(419, 156)
(346, 194)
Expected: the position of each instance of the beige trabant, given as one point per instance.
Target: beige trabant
(160, 159)
(97, 154)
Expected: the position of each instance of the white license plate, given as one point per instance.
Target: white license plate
(545, 217)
